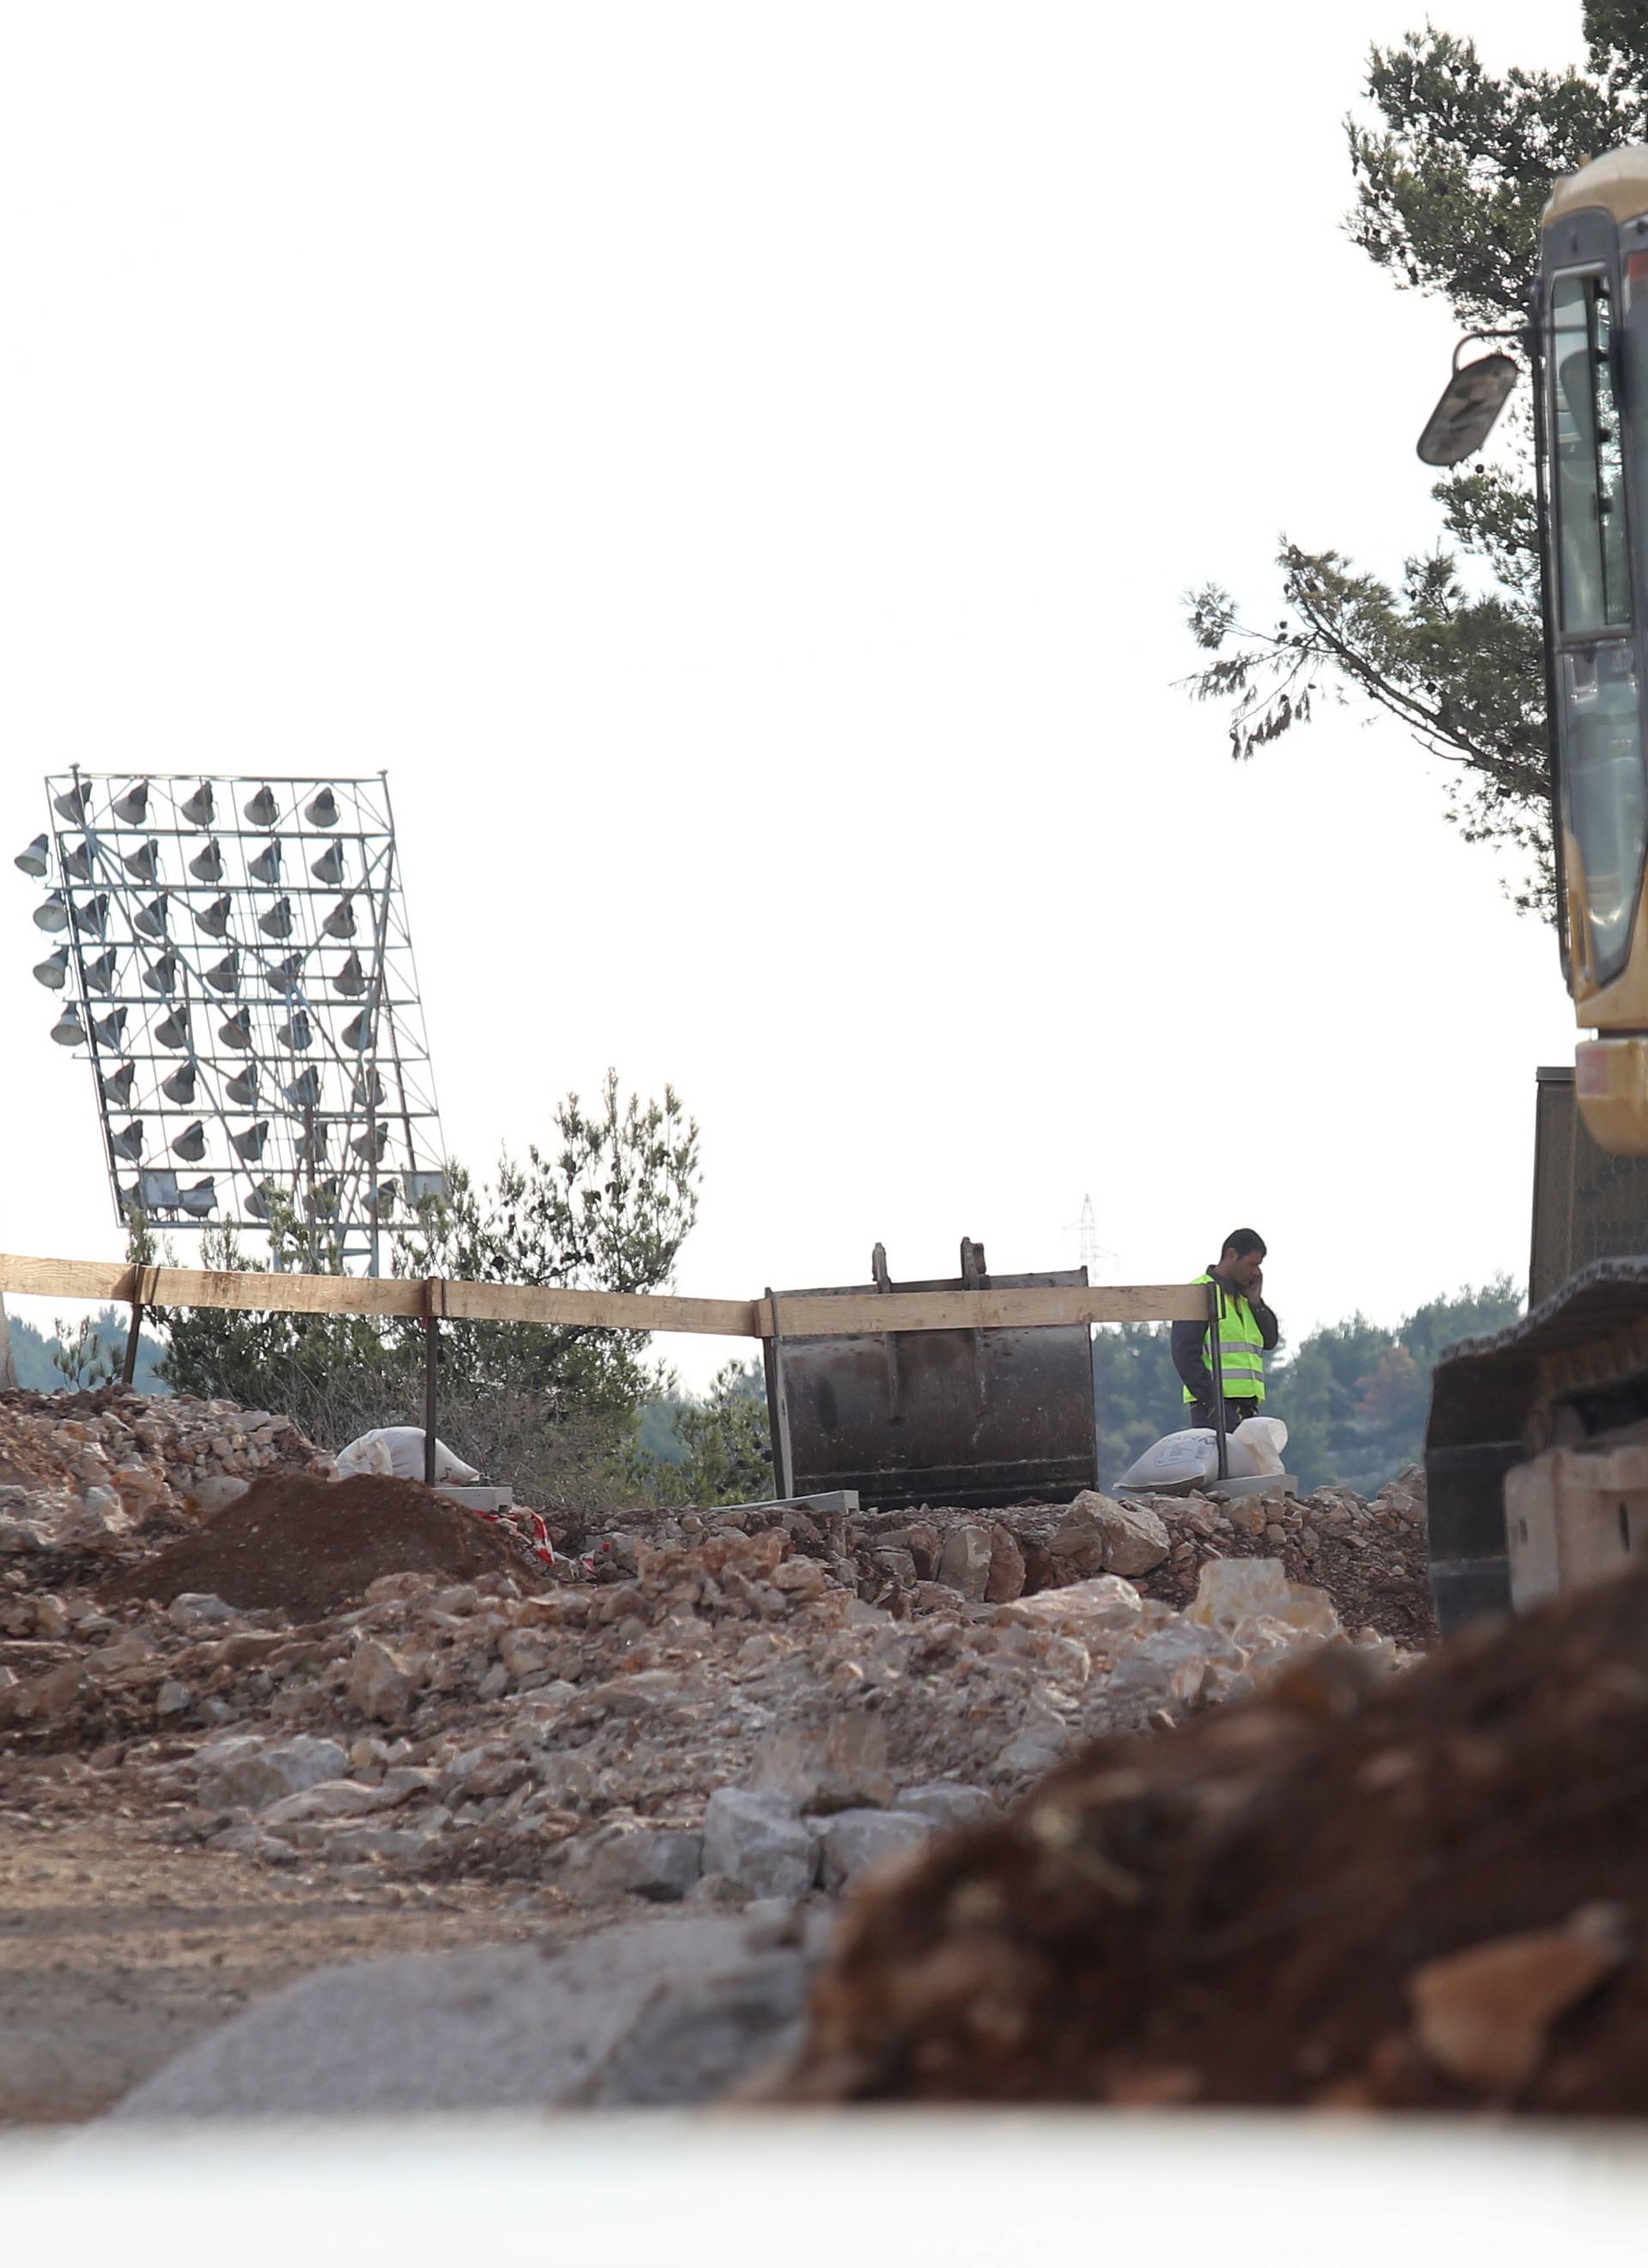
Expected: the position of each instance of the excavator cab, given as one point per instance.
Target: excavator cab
(1536, 1452)
(1587, 341)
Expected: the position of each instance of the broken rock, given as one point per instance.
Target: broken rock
(249, 1773)
(757, 1837)
(1483, 2016)
(328, 1799)
(855, 1841)
(1006, 1577)
(648, 1862)
(946, 1803)
(965, 1561)
(1136, 1539)
(379, 1684)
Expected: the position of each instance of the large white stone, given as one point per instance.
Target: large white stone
(626, 1855)
(1136, 1539)
(1253, 1600)
(1169, 1667)
(856, 1841)
(379, 1685)
(328, 1799)
(194, 1609)
(250, 1772)
(1107, 1604)
(757, 1837)
(1098, 1535)
(1035, 1749)
(946, 1802)
(964, 1560)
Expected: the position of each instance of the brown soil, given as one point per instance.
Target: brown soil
(1247, 1911)
(308, 1547)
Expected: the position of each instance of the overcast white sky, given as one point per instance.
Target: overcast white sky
(737, 466)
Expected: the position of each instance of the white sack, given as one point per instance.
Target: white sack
(1180, 1461)
(398, 1450)
(1259, 1442)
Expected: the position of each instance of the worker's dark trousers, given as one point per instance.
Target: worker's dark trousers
(1200, 1413)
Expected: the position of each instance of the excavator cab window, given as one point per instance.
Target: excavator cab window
(1605, 807)
(1594, 577)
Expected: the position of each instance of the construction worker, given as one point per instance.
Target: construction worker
(1247, 1331)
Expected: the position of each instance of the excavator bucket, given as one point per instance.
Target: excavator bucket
(950, 1417)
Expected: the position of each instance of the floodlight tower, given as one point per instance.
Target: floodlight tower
(234, 957)
(1088, 1250)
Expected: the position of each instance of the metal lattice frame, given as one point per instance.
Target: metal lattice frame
(236, 957)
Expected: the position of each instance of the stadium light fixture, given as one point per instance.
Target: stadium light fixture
(206, 988)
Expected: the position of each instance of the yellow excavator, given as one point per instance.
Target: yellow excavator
(1537, 1446)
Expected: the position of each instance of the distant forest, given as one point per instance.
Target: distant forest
(95, 1353)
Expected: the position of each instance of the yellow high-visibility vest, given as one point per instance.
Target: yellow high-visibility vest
(1241, 1348)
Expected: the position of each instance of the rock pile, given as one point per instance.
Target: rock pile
(1369, 1556)
(95, 1478)
(1418, 1893)
(721, 1716)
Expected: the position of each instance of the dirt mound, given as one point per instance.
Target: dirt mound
(306, 1547)
(1428, 1894)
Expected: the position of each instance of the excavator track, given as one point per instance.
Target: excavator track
(1572, 1375)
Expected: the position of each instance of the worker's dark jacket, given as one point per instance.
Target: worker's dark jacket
(1190, 1342)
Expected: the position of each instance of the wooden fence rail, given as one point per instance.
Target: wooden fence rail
(432, 1298)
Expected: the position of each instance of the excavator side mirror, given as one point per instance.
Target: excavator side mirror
(1471, 402)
